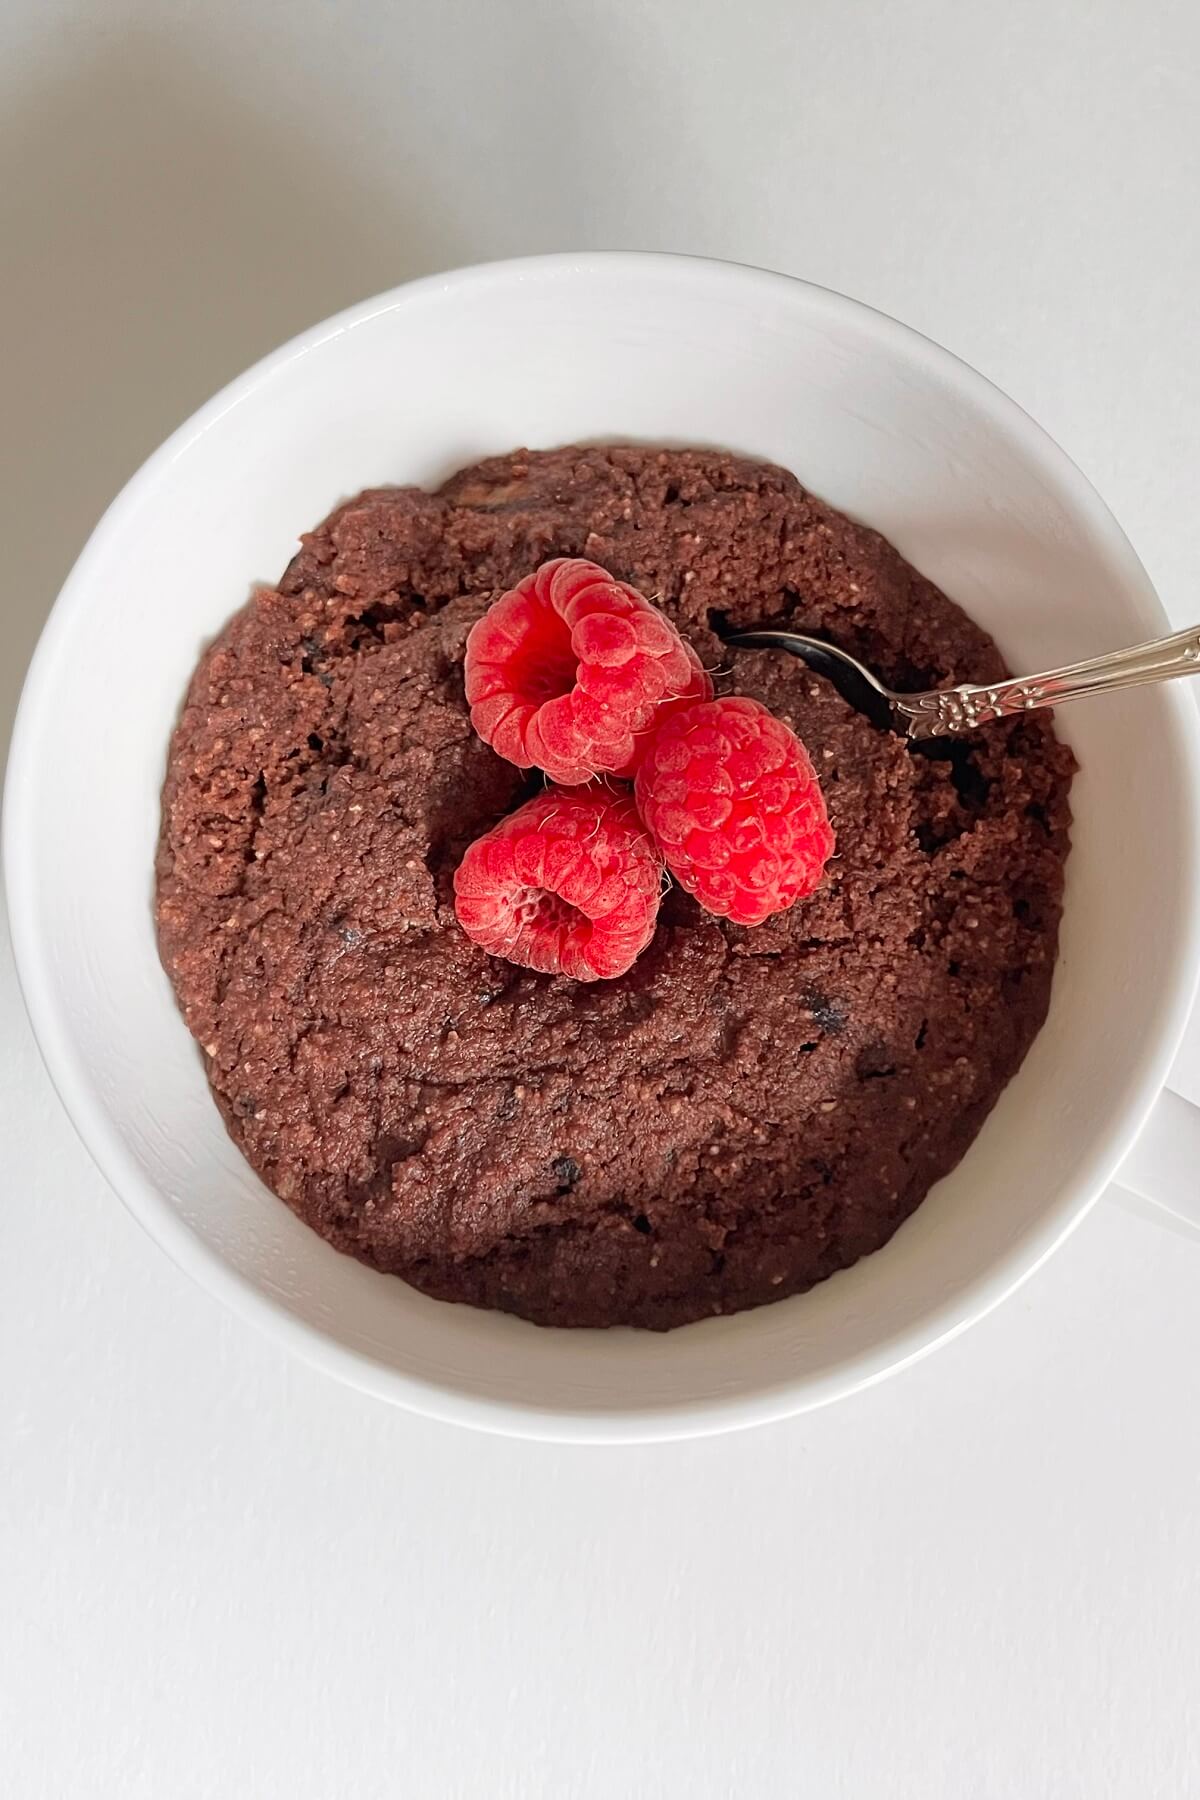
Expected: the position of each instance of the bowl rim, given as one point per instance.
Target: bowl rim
(781, 1398)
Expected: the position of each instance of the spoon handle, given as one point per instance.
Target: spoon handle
(953, 712)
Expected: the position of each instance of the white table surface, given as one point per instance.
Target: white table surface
(220, 1573)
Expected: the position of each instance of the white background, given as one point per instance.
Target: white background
(221, 1574)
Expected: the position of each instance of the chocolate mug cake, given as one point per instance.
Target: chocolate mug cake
(747, 1109)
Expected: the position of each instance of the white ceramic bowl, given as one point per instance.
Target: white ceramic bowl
(406, 388)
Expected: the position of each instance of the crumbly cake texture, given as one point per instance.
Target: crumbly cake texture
(747, 1110)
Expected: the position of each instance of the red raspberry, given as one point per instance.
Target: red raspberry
(568, 884)
(732, 801)
(567, 671)
(699, 687)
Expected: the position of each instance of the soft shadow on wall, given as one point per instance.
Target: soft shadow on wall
(160, 237)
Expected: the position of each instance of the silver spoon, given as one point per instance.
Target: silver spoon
(958, 711)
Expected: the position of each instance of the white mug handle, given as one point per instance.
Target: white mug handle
(1160, 1178)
